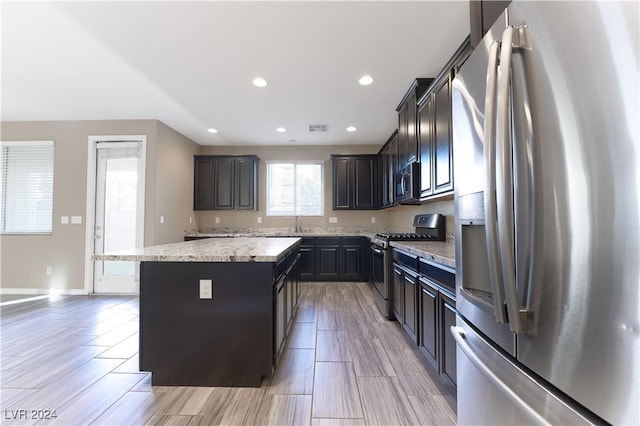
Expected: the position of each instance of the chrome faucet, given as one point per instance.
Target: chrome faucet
(298, 225)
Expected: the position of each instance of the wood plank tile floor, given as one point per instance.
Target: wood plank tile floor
(343, 365)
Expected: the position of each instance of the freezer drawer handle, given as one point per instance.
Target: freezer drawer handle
(459, 336)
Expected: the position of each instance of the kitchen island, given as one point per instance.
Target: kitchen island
(212, 311)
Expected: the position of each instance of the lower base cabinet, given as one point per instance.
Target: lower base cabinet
(437, 315)
(429, 320)
(448, 320)
(286, 293)
(424, 303)
(334, 259)
(405, 293)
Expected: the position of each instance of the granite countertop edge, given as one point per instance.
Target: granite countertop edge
(229, 250)
(440, 252)
(314, 232)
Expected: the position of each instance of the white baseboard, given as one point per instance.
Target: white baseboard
(44, 291)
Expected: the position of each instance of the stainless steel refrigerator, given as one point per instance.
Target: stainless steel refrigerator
(547, 199)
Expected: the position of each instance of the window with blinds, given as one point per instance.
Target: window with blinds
(26, 182)
(295, 189)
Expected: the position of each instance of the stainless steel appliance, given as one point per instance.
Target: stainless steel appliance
(547, 199)
(427, 227)
(407, 184)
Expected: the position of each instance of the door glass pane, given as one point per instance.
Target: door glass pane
(121, 182)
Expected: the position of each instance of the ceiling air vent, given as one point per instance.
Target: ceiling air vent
(317, 128)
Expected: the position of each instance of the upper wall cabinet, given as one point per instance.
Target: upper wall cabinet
(407, 122)
(388, 166)
(434, 130)
(225, 182)
(355, 184)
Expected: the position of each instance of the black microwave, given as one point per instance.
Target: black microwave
(407, 184)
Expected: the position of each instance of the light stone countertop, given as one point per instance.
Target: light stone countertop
(282, 232)
(240, 249)
(440, 252)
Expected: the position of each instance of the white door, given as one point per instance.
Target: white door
(119, 196)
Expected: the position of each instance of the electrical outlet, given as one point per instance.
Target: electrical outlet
(217, 220)
(373, 219)
(259, 219)
(190, 220)
(333, 219)
(161, 219)
(206, 289)
(49, 270)
(64, 220)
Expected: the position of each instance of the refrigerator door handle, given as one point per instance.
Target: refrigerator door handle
(504, 190)
(526, 204)
(490, 192)
(459, 336)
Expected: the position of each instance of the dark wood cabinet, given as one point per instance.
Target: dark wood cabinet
(442, 141)
(342, 185)
(448, 320)
(425, 138)
(246, 182)
(388, 166)
(437, 314)
(435, 132)
(285, 300)
(329, 254)
(224, 182)
(407, 122)
(352, 258)
(307, 263)
(203, 198)
(410, 312)
(355, 182)
(429, 321)
(398, 293)
(334, 259)
(280, 313)
(405, 291)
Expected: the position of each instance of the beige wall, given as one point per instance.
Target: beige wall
(401, 217)
(25, 258)
(173, 185)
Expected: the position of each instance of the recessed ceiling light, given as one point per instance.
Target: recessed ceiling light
(281, 130)
(212, 130)
(259, 82)
(365, 80)
(351, 129)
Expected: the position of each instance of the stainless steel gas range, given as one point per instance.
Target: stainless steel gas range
(428, 227)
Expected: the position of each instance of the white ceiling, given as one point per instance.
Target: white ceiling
(190, 64)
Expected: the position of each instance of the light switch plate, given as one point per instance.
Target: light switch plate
(217, 220)
(259, 219)
(373, 219)
(333, 219)
(76, 220)
(206, 289)
(161, 219)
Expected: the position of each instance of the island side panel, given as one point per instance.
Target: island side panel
(223, 341)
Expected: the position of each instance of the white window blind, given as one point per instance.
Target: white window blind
(26, 183)
(295, 189)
